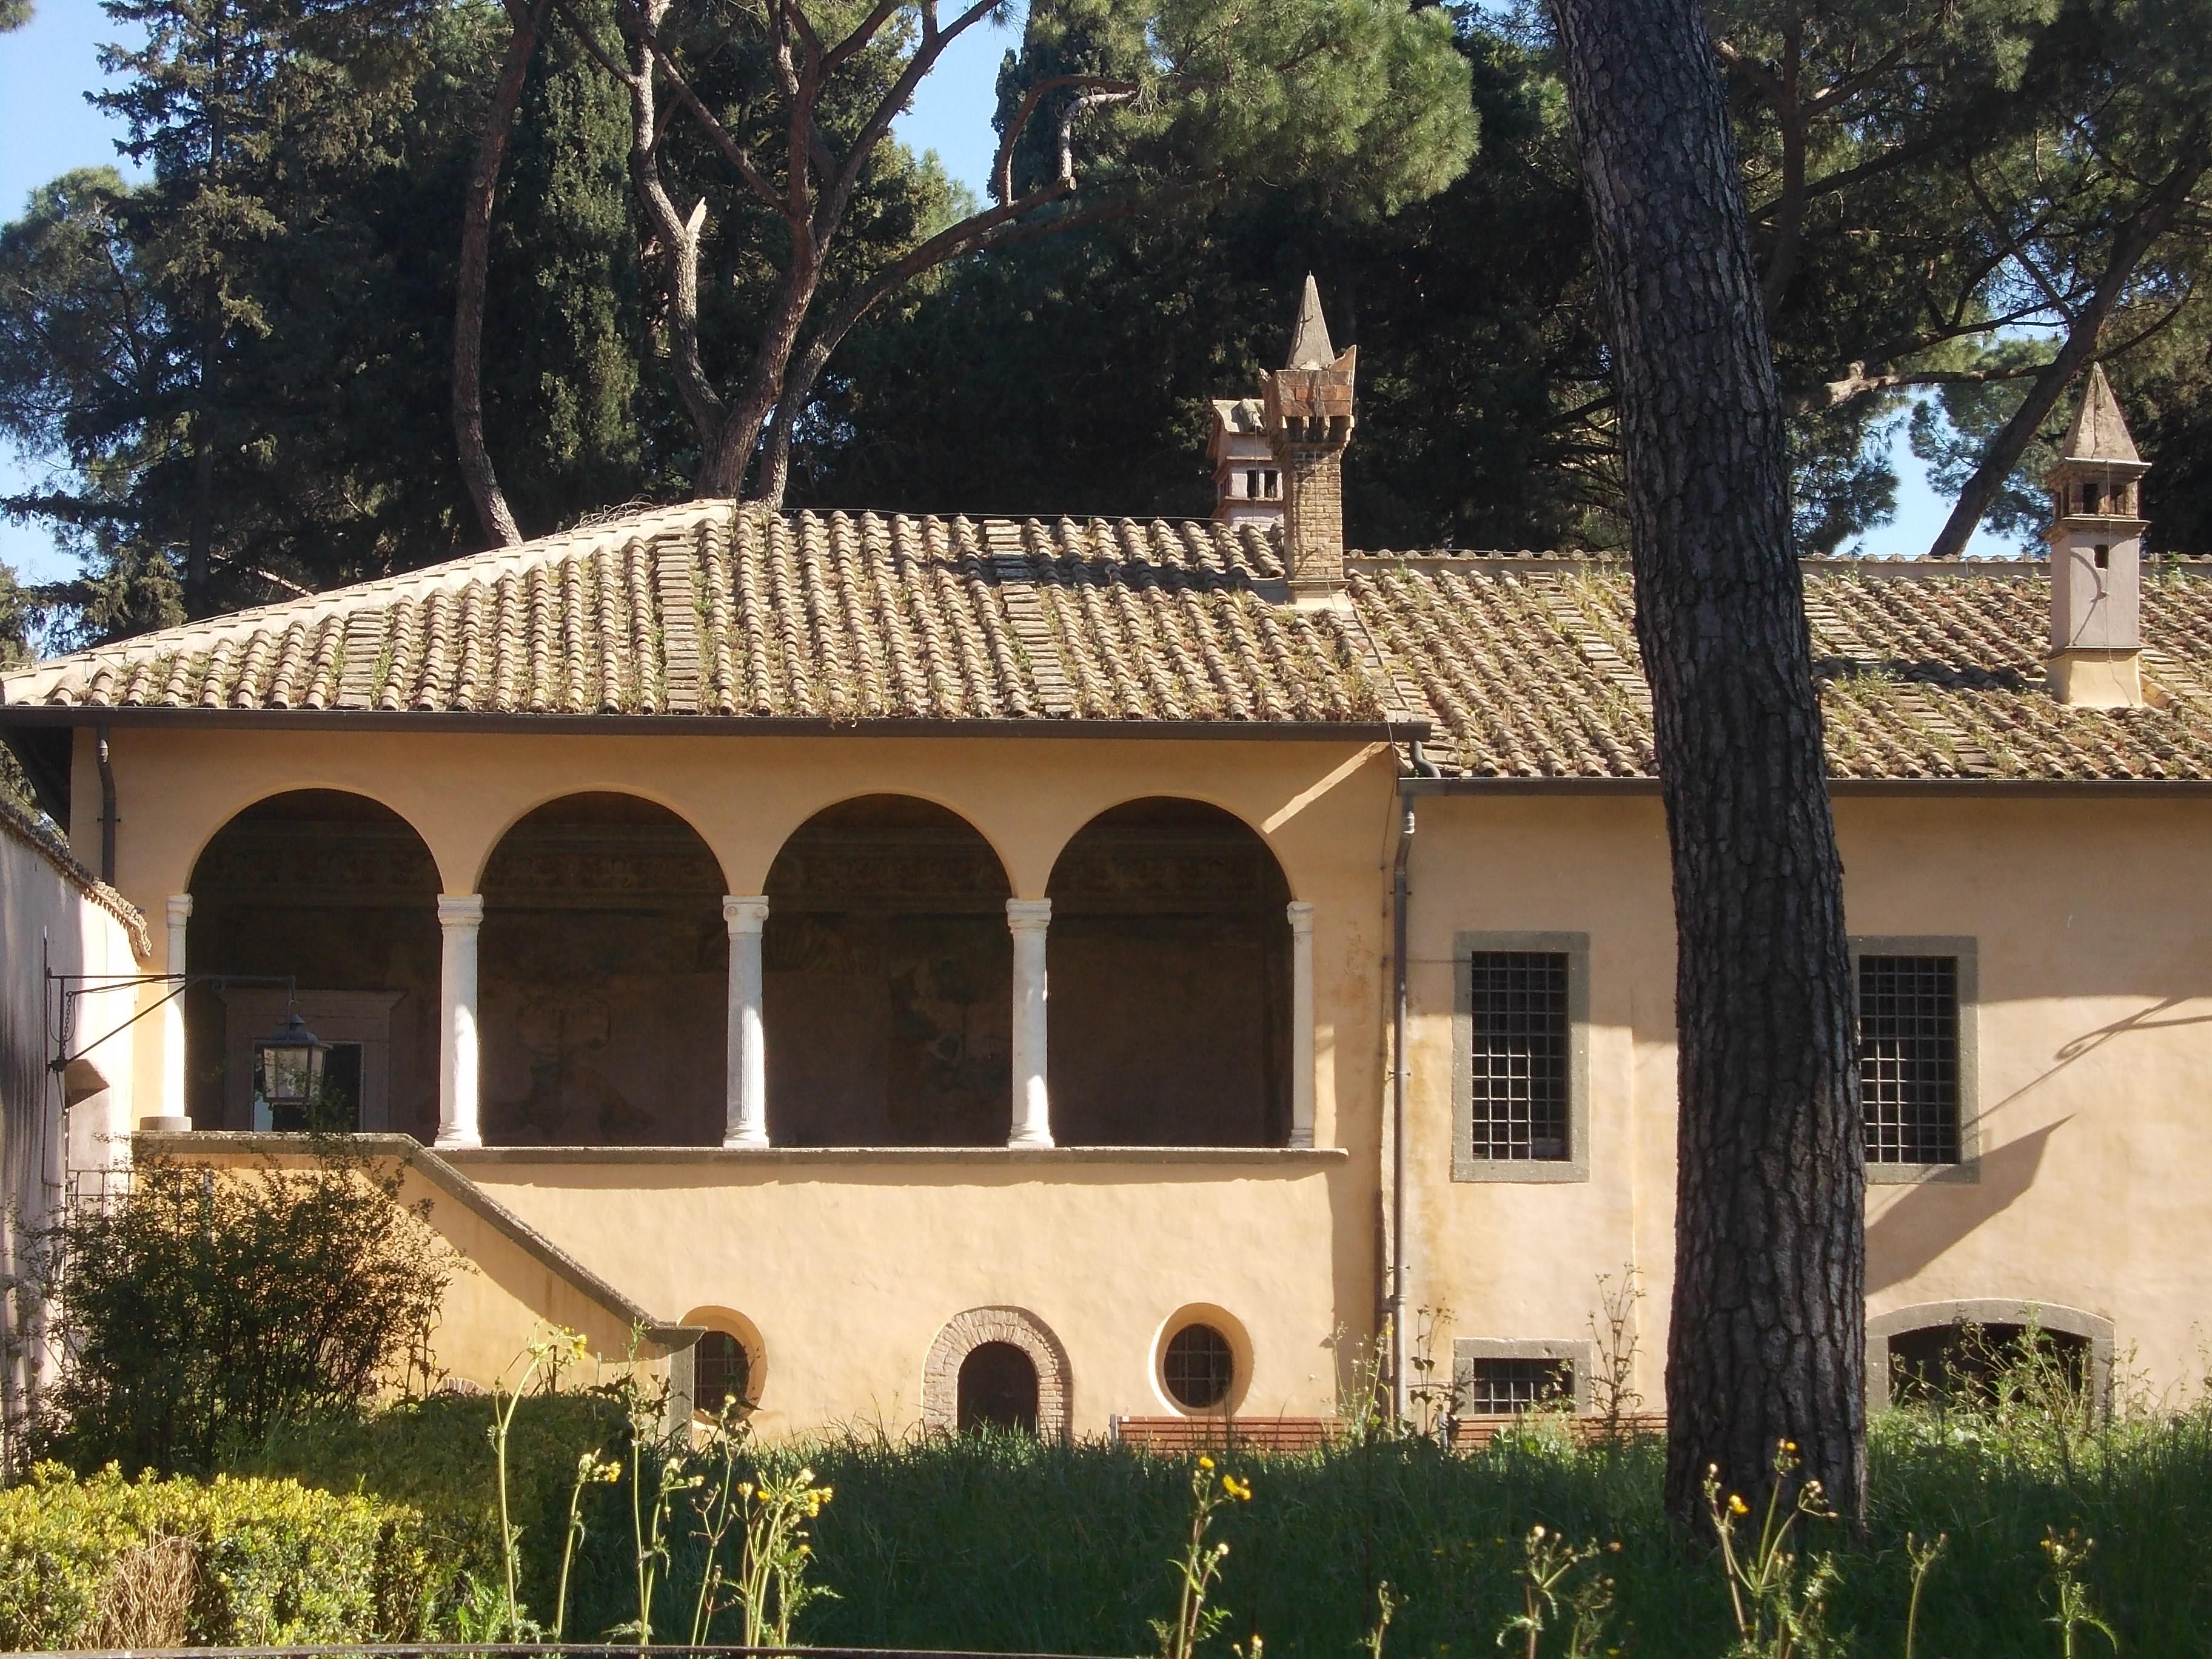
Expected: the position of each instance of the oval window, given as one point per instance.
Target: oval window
(1199, 1367)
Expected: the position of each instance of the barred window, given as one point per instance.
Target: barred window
(1199, 1367)
(1909, 1058)
(721, 1372)
(1518, 1005)
(1499, 1387)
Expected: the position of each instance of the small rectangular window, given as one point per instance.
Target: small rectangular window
(1909, 1070)
(1499, 1387)
(1517, 1005)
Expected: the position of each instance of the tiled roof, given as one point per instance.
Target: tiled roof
(1529, 668)
(718, 610)
(1524, 665)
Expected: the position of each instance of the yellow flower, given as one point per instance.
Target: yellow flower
(1790, 1445)
(1204, 1461)
(1737, 1506)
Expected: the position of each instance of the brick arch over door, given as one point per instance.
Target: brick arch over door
(1018, 1328)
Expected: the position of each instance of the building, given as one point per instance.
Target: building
(691, 884)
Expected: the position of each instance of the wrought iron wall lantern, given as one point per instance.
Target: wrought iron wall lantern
(288, 1063)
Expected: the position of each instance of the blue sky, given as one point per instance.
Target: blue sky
(47, 127)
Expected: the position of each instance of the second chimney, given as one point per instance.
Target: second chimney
(2096, 558)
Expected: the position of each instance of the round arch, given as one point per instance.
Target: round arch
(336, 891)
(1018, 1327)
(529, 805)
(888, 980)
(602, 973)
(1169, 952)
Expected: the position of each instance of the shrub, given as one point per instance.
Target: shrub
(110, 1562)
(202, 1307)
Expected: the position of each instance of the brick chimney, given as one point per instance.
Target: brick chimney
(2096, 558)
(1306, 413)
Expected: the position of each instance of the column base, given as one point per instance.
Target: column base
(1019, 1140)
(1301, 1140)
(745, 1143)
(459, 1143)
(165, 1126)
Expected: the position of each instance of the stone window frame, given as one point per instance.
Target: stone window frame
(964, 1333)
(1241, 1362)
(2094, 1329)
(1965, 950)
(1581, 1353)
(1575, 1166)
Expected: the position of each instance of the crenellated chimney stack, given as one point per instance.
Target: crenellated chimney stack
(2096, 558)
(1306, 414)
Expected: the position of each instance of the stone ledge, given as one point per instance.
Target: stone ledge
(1290, 1158)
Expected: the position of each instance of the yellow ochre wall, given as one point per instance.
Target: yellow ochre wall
(2094, 1032)
(2093, 1021)
(848, 1263)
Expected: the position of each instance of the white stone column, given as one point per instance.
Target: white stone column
(1026, 918)
(174, 1112)
(1302, 1024)
(460, 916)
(745, 1081)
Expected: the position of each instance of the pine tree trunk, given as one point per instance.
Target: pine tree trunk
(1768, 1337)
(476, 471)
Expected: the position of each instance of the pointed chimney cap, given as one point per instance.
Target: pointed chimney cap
(1310, 341)
(2098, 433)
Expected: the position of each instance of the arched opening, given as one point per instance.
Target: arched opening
(1169, 956)
(887, 981)
(338, 893)
(998, 1390)
(603, 974)
(1963, 1362)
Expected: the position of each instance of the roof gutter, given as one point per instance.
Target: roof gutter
(2012, 788)
(703, 725)
(1394, 1300)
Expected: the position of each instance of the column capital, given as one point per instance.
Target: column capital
(743, 915)
(457, 910)
(180, 908)
(1301, 915)
(1028, 915)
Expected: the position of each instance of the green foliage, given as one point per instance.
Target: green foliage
(202, 1309)
(271, 1562)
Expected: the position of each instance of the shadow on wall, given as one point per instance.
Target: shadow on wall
(1926, 1221)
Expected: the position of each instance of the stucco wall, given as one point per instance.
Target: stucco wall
(2093, 1027)
(847, 1265)
(42, 1137)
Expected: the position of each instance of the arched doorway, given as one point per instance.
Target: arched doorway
(603, 975)
(998, 1390)
(954, 1397)
(337, 892)
(1170, 982)
(887, 981)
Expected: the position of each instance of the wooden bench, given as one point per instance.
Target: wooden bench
(1473, 1434)
(1257, 1434)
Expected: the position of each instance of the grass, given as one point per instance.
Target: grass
(1004, 1543)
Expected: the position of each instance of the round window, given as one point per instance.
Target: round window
(1199, 1367)
(721, 1371)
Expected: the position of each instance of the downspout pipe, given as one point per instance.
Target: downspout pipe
(107, 808)
(1419, 766)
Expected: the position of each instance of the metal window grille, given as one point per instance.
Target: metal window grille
(1199, 1367)
(1909, 1058)
(1499, 1387)
(721, 1372)
(1519, 1008)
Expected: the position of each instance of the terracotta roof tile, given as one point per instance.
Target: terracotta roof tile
(1525, 665)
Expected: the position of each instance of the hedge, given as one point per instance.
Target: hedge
(239, 1562)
